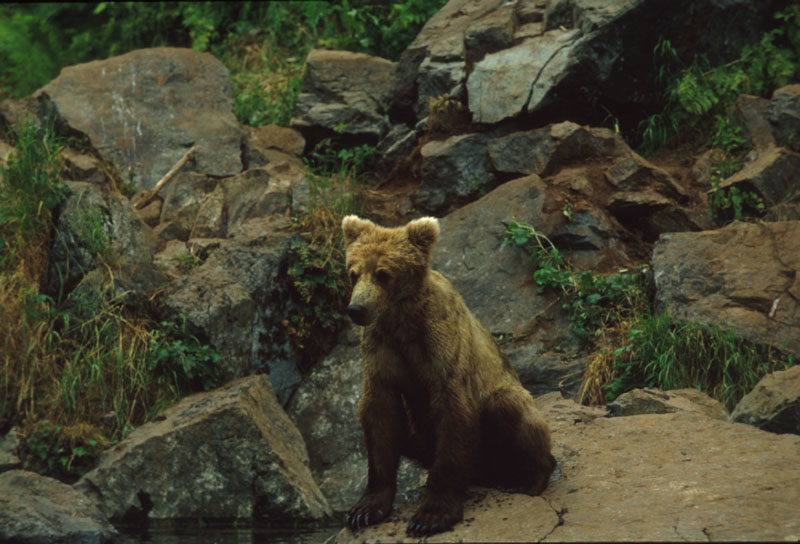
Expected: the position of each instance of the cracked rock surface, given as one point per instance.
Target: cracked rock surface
(653, 477)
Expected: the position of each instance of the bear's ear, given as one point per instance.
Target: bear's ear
(353, 226)
(423, 232)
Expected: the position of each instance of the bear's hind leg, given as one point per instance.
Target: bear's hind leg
(515, 443)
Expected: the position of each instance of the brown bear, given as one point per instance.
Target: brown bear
(436, 387)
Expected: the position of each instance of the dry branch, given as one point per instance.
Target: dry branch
(147, 196)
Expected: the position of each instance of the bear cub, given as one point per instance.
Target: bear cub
(436, 387)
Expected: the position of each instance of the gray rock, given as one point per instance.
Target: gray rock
(36, 509)
(255, 193)
(772, 175)
(452, 168)
(93, 222)
(435, 63)
(324, 410)
(496, 285)
(567, 56)
(507, 83)
(346, 90)
(183, 198)
(773, 404)
(260, 143)
(83, 167)
(631, 172)
(742, 277)
(654, 401)
(398, 143)
(783, 113)
(548, 150)
(238, 298)
(227, 453)
(143, 110)
(8, 448)
(750, 114)
(542, 371)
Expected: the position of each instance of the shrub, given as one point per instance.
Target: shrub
(697, 94)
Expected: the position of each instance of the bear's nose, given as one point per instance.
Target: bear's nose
(358, 314)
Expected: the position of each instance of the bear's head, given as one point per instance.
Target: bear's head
(385, 265)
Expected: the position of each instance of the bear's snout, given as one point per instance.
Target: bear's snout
(358, 314)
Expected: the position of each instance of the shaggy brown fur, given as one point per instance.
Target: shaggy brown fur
(436, 387)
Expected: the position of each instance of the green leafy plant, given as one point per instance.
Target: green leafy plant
(320, 291)
(66, 453)
(186, 261)
(180, 361)
(591, 300)
(726, 204)
(697, 95)
(331, 158)
(661, 352)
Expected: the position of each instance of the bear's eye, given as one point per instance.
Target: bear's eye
(353, 277)
(382, 277)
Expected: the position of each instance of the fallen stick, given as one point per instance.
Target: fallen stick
(147, 196)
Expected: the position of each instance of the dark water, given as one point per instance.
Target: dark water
(196, 532)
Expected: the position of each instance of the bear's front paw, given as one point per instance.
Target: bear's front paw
(435, 516)
(372, 508)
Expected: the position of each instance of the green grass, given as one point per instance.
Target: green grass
(633, 348)
(78, 372)
(337, 185)
(667, 354)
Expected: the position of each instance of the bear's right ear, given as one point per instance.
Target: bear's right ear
(352, 227)
(423, 232)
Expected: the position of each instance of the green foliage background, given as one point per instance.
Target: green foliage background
(38, 39)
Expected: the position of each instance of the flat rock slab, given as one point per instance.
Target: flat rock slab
(143, 110)
(37, 509)
(489, 516)
(654, 477)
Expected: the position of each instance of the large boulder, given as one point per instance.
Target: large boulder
(676, 476)
(228, 453)
(743, 277)
(237, 299)
(497, 285)
(143, 110)
(36, 509)
(515, 80)
(773, 404)
(510, 60)
(344, 91)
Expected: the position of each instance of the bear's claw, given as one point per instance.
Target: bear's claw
(423, 529)
(364, 519)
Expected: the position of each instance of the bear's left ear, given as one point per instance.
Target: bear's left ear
(423, 232)
(352, 227)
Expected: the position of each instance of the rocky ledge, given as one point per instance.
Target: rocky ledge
(670, 476)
